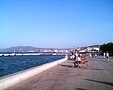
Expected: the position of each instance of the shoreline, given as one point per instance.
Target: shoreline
(12, 79)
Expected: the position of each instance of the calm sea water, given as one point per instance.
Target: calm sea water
(12, 64)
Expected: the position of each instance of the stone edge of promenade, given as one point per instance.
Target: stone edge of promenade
(10, 80)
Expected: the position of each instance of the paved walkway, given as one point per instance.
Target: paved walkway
(98, 76)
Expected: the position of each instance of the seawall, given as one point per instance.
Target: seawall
(18, 77)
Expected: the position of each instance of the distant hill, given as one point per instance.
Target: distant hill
(94, 46)
(20, 49)
(30, 49)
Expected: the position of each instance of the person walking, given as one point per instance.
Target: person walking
(107, 56)
(104, 55)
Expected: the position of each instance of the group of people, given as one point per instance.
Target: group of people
(106, 55)
(81, 57)
(78, 58)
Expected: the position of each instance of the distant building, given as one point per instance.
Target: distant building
(93, 49)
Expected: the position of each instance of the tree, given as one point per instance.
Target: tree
(107, 48)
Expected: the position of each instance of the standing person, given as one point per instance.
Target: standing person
(77, 61)
(104, 55)
(67, 56)
(95, 55)
(90, 55)
(73, 57)
(76, 54)
(107, 56)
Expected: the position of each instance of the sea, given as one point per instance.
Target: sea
(13, 64)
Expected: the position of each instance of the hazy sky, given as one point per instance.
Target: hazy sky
(55, 23)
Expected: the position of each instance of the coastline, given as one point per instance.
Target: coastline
(10, 80)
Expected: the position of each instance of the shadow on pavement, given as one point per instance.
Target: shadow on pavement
(80, 89)
(107, 83)
(66, 65)
(100, 69)
(72, 66)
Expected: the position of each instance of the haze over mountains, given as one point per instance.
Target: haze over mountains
(36, 49)
(22, 49)
(30, 49)
(19, 49)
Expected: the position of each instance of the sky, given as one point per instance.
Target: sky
(55, 23)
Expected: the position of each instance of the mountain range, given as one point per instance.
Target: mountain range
(20, 49)
(29, 49)
(35, 49)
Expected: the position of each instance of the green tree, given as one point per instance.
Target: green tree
(107, 48)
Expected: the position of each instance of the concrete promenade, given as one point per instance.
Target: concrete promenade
(98, 76)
